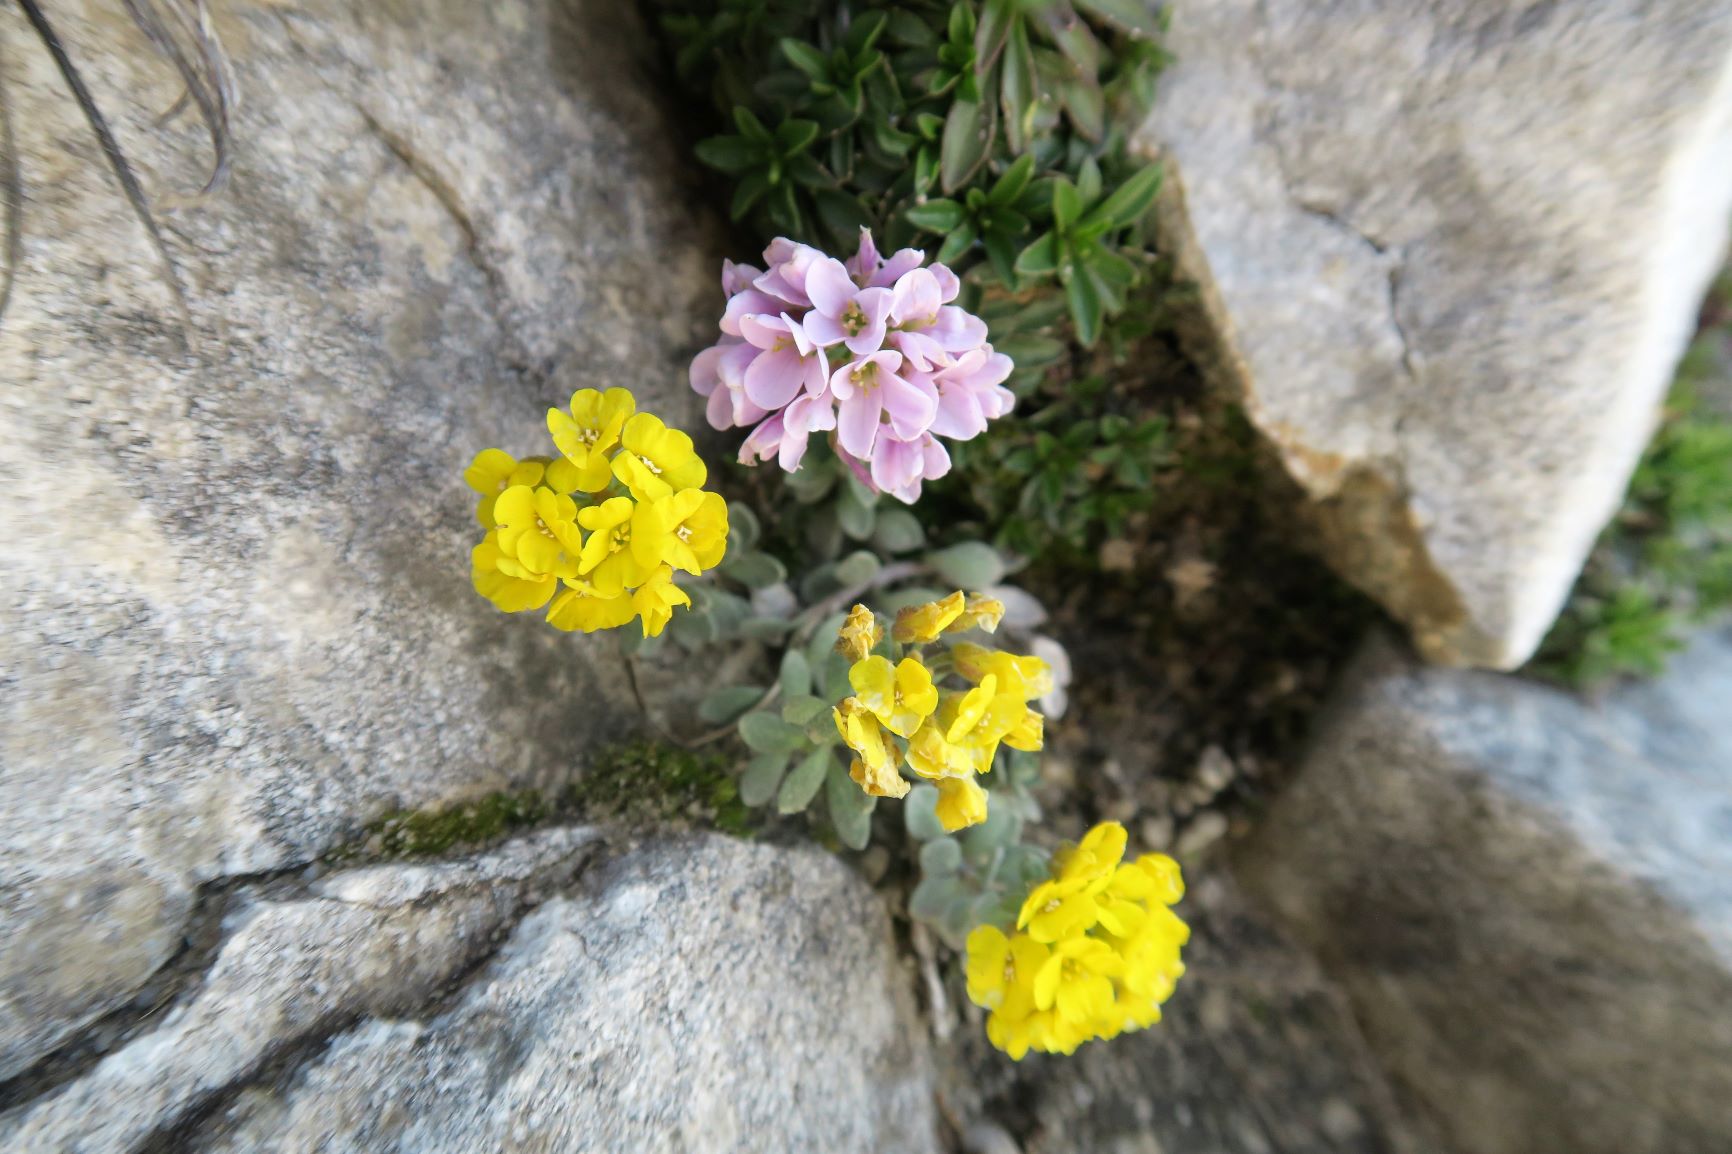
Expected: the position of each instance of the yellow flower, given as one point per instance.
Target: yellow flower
(608, 561)
(860, 730)
(656, 460)
(920, 623)
(655, 600)
(961, 803)
(1154, 877)
(859, 635)
(1023, 677)
(980, 612)
(1152, 964)
(537, 532)
(493, 471)
(589, 432)
(1076, 979)
(688, 530)
(901, 696)
(580, 607)
(881, 782)
(1001, 970)
(1056, 910)
(508, 593)
(1093, 860)
(1029, 732)
(933, 758)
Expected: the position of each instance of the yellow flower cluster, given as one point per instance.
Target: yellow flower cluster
(647, 514)
(898, 714)
(1095, 952)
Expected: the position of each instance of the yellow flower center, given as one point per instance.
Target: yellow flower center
(589, 436)
(651, 466)
(853, 319)
(541, 527)
(1054, 904)
(684, 533)
(619, 538)
(866, 376)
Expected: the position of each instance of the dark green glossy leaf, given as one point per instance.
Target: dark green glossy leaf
(795, 136)
(730, 154)
(967, 139)
(960, 240)
(806, 58)
(1067, 205)
(936, 215)
(1135, 17)
(990, 37)
(748, 192)
(1085, 308)
(1010, 184)
(1040, 258)
(1131, 199)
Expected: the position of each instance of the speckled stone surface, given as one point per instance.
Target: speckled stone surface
(1451, 251)
(236, 619)
(1528, 896)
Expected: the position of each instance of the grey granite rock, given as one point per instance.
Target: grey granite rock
(699, 994)
(1450, 250)
(236, 618)
(1529, 898)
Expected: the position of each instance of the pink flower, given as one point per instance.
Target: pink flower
(719, 374)
(870, 270)
(786, 277)
(872, 352)
(873, 393)
(842, 313)
(788, 360)
(971, 392)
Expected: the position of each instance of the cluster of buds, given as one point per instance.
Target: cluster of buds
(871, 351)
(902, 715)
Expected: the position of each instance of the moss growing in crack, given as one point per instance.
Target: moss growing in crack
(652, 783)
(437, 831)
(642, 784)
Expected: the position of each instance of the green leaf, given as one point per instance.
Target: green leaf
(806, 58)
(753, 570)
(802, 710)
(1002, 827)
(728, 702)
(796, 675)
(793, 136)
(842, 215)
(939, 857)
(864, 32)
(971, 565)
(765, 628)
(730, 154)
(967, 139)
(996, 18)
(743, 527)
(821, 646)
(858, 567)
(749, 125)
(920, 813)
(1085, 308)
(898, 531)
(855, 517)
(763, 774)
(748, 192)
(802, 785)
(807, 172)
(1009, 186)
(1067, 205)
(933, 896)
(850, 808)
(1131, 199)
(1019, 90)
(1135, 17)
(1039, 258)
(1088, 181)
(936, 215)
(958, 242)
(767, 733)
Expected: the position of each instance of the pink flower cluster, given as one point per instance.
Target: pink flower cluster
(871, 351)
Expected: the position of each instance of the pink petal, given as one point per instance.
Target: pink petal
(935, 461)
(865, 260)
(720, 410)
(896, 464)
(746, 303)
(857, 423)
(762, 441)
(922, 351)
(823, 331)
(776, 378)
(958, 330)
(959, 416)
(891, 270)
(948, 283)
(910, 403)
(764, 331)
(809, 414)
(916, 300)
(830, 287)
(705, 373)
(792, 451)
(737, 277)
(798, 332)
(856, 467)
